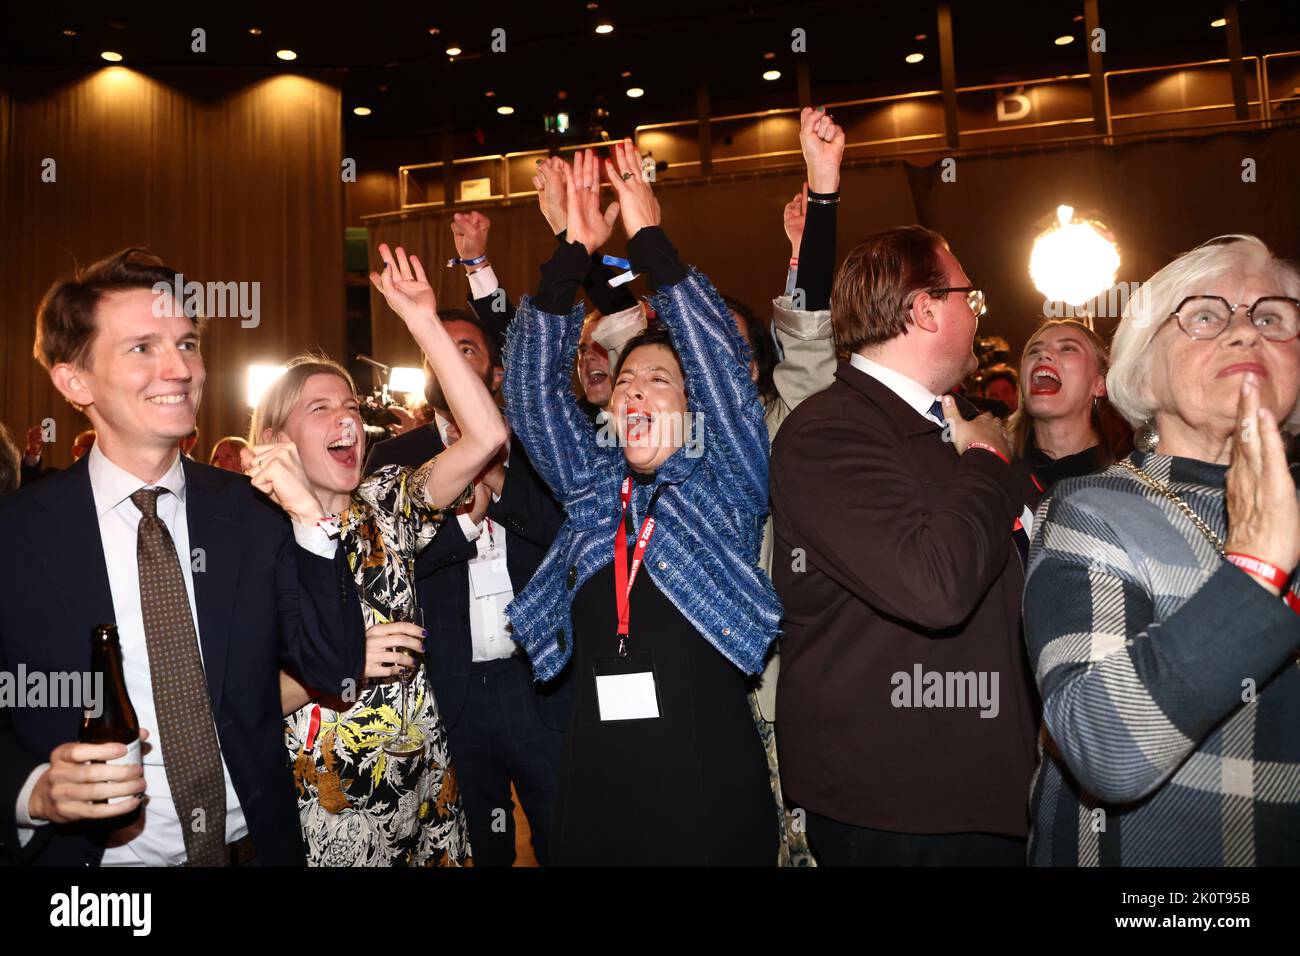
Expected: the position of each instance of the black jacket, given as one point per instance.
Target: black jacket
(263, 603)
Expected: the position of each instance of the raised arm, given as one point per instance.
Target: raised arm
(713, 353)
(543, 343)
(823, 148)
(807, 347)
(487, 299)
(483, 431)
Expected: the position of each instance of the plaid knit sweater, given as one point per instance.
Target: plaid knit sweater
(709, 516)
(1171, 696)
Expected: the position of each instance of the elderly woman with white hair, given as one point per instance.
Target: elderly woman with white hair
(1160, 603)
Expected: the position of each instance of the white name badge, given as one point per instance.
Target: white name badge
(1027, 521)
(625, 688)
(488, 575)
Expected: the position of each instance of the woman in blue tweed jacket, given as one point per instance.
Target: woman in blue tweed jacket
(662, 763)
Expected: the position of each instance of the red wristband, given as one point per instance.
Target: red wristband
(794, 262)
(985, 446)
(1269, 573)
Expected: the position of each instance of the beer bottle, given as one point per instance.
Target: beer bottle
(116, 722)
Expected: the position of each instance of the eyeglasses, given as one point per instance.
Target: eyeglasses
(1203, 317)
(975, 298)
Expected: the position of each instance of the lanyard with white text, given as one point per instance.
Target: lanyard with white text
(623, 579)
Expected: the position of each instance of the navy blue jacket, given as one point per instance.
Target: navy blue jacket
(531, 519)
(263, 603)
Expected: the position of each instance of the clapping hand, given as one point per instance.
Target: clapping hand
(551, 194)
(404, 285)
(1263, 516)
(822, 142)
(586, 223)
(635, 197)
(796, 211)
(469, 231)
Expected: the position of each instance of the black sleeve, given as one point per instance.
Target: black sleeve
(561, 277)
(495, 311)
(605, 298)
(525, 507)
(651, 253)
(817, 252)
(323, 636)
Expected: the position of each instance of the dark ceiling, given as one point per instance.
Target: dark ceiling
(387, 59)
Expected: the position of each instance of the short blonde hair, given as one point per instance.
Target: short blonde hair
(282, 395)
(1155, 300)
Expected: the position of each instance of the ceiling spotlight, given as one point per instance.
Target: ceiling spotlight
(772, 75)
(454, 51)
(490, 93)
(505, 110)
(69, 33)
(914, 57)
(1074, 259)
(920, 38)
(111, 57)
(286, 54)
(625, 74)
(635, 92)
(769, 55)
(604, 28)
(1064, 40)
(255, 31)
(361, 110)
(1221, 22)
(1078, 18)
(434, 31)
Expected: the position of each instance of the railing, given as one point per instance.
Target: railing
(1154, 99)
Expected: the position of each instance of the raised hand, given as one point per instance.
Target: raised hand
(793, 218)
(822, 142)
(637, 199)
(277, 471)
(469, 231)
(404, 285)
(551, 194)
(1263, 516)
(586, 223)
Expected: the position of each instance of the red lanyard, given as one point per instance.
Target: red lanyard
(623, 579)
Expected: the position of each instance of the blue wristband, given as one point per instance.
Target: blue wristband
(467, 262)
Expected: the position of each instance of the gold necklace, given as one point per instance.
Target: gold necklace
(1201, 526)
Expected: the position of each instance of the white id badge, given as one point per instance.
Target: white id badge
(625, 688)
(488, 574)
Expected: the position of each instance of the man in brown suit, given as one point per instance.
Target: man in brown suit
(905, 703)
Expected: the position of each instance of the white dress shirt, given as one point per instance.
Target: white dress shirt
(160, 841)
(920, 398)
(489, 635)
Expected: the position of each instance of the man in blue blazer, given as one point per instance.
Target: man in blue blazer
(502, 727)
(212, 588)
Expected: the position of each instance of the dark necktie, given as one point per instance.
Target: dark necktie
(937, 409)
(180, 690)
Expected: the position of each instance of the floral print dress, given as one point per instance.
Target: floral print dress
(358, 805)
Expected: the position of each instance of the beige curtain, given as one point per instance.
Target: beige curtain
(227, 179)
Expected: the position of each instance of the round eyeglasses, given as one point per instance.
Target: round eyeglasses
(1275, 317)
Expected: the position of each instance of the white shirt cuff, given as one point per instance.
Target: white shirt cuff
(22, 812)
(314, 539)
(483, 282)
(467, 525)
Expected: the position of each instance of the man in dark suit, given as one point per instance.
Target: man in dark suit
(502, 727)
(212, 588)
(907, 714)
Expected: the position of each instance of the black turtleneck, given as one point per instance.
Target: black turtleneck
(1049, 470)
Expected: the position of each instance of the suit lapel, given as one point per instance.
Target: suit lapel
(73, 554)
(212, 518)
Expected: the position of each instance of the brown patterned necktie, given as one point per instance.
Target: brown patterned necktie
(180, 690)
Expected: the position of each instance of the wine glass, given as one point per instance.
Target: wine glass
(408, 739)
